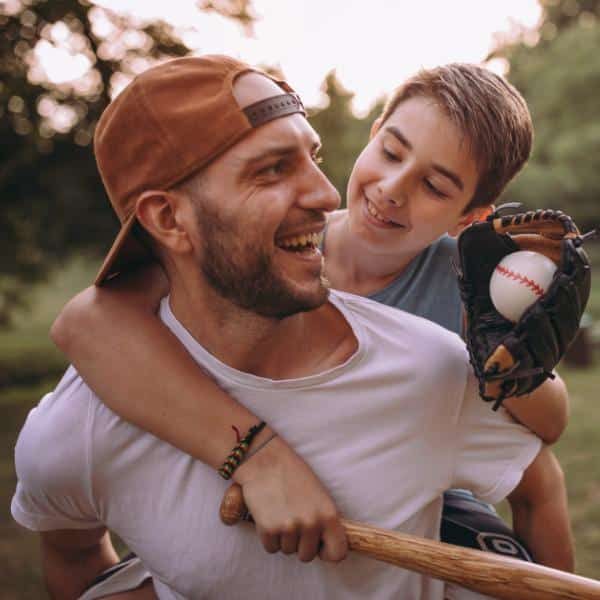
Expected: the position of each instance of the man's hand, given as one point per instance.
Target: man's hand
(292, 510)
(540, 514)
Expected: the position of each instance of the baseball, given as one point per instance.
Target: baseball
(518, 280)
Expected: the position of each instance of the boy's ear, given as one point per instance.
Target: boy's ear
(161, 214)
(476, 214)
(375, 127)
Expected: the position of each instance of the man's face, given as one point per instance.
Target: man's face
(261, 210)
(412, 182)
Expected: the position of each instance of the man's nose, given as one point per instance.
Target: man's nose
(319, 193)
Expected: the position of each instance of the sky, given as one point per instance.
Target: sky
(372, 44)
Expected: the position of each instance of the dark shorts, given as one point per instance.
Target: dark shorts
(470, 523)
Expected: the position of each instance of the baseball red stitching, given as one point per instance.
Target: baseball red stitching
(532, 285)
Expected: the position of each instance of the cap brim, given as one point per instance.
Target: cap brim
(125, 253)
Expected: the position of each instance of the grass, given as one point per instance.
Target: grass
(577, 451)
(28, 358)
(27, 345)
(20, 576)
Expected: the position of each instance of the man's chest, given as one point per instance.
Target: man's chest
(171, 521)
(164, 504)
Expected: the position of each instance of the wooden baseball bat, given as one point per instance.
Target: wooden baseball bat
(484, 572)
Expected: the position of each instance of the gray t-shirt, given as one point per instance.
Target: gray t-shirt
(427, 287)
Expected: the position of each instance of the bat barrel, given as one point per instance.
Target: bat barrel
(484, 572)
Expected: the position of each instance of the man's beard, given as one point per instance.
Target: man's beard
(245, 275)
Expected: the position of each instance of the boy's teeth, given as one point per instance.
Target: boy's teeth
(372, 210)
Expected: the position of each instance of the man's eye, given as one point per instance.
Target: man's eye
(273, 169)
(434, 189)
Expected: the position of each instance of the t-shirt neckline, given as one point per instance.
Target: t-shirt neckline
(223, 371)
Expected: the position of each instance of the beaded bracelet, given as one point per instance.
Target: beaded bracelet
(236, 456)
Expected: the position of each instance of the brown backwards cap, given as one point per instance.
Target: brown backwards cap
(167, 124)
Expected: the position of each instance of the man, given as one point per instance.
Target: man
(219, 169)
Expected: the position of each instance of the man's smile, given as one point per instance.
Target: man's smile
(300, 242)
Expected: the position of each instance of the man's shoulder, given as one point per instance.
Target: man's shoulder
(383, 317)
(399, 335)
(52, 444)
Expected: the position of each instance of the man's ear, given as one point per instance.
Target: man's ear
(162, 215)
(476, 214)
(375, 127)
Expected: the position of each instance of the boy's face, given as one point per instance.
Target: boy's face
(412, 182)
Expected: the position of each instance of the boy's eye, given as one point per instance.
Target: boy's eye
(434, 189)
(318, 160)
(390, 155)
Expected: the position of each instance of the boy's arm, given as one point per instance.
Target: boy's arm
(161, 389)
(540, 514)
(545, 411)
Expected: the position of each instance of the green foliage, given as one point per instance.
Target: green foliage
(343, 135)
(53, 203)
(561, 14)
(560, 79)
(27, 354)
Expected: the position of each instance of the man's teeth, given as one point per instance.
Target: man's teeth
(311, 240)
(373, 211)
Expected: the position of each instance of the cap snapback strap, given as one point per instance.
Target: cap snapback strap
(272, 108)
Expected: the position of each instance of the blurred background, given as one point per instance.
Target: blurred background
(61, 61)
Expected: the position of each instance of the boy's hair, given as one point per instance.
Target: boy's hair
(490, 112)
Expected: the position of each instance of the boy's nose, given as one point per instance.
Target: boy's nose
(394, 192)
(396, 187)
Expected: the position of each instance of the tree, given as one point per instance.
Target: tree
(560, 79)
(558, 15)
(343, 135)
(53, 202)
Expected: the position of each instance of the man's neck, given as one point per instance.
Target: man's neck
(350, 265)
(298, 346)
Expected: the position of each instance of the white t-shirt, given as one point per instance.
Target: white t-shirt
(387, 432)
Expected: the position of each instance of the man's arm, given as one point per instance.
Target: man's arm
(545, 411)
(72, 558)
(162, 390)
(540, 514)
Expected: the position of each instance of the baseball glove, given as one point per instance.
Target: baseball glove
(512, 359)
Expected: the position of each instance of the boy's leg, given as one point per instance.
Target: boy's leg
(469, 522)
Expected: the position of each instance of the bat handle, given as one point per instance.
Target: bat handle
(233, 508)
